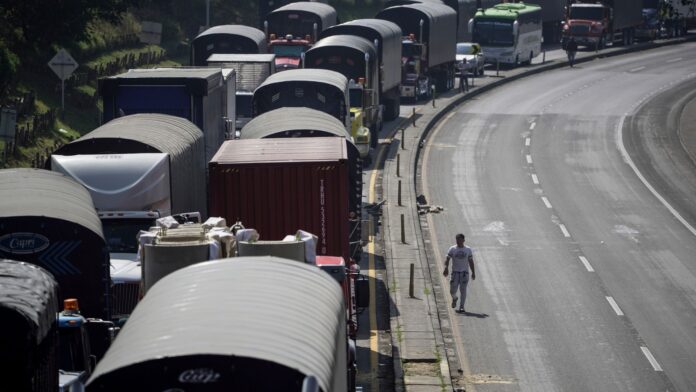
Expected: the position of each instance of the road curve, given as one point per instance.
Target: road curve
(586, 280)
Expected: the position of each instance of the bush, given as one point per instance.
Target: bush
(9, 63)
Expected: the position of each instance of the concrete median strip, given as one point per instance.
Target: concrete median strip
(420, 325)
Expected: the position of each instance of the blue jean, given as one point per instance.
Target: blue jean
(459, 281)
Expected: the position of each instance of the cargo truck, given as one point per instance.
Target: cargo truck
(355, 58)
(204, 96)
(428, 48)
(29, 338)
(294, 28)
(595, 24)
(49, 220)
(266, 6)
(282, 327)
(663, 18)
(137, 169)
(233, 39)
(279, 185)
(305, 122)
(386, 37)
(250, 70)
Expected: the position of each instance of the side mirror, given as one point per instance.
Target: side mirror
(362, 291)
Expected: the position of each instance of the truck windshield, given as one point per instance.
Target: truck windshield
(243, 105)
(288, 50)
(588, 13)
(409, 49)
(356, 96)
(493, 32)
(121, 233)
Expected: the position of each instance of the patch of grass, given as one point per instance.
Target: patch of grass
(426, 290)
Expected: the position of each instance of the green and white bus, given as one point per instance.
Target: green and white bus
(508, 33)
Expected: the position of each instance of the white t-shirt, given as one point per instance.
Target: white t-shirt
(460, 258)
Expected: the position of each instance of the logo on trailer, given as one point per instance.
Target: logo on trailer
(23, 243)
(199, 376)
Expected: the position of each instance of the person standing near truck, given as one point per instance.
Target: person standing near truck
(462, 261)
(572, 50)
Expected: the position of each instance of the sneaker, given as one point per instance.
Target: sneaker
(454, 302)
(461, 310)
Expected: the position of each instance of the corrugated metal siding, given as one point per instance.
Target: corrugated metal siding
(293, 119)
(37, 192)
(308, 75)
(274, 309)
(389, 36)
(56, 216)
(278, 186)
(139, 133)
(32, 292)
(440, 28)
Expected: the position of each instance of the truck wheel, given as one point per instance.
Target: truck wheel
(517, 60)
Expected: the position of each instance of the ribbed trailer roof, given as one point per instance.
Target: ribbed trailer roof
(237, 30)
(227, 39)
(327, 14)
(38, 192)
(197, 80)
(32, 292)
(138, 133)
(240, 58)
(287, 120)
(253, 151)
(322, 76)
(263, 308)
(346, 41)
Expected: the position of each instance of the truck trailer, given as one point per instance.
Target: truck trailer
(294, 28)
(386, 37)
(304, 122)
(233, 39)
(594, 24)
(355, 58)
(250, 323)
(250, 70)
(279, 185)
(137, 169)
(29, 338)
(428, 48)
(204, 96)
(48, 219)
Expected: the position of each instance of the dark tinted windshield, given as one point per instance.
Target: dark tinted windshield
(493, 33)
(288, 50)
(410, 50)
(465, 49)
(121, 234)
(243, 105)
(589, 13)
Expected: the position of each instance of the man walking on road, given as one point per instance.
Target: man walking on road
(572, 50)
(462, 261)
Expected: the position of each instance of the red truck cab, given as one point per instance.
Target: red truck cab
(288, 51)
(588, 24)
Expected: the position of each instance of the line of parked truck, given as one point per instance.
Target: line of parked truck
(232, 138)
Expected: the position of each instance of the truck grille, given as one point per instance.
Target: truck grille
(125, 297)
(579, 29)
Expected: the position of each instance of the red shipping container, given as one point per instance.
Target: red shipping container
(278, 186)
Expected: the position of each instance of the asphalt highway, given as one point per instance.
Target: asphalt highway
(579, 201)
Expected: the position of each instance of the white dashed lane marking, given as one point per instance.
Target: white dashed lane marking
(615, 306)
(546, 201)
(535, 179)
(586, 263)
(527, 142)
(651, 359)
(566, 234)
(529, 159)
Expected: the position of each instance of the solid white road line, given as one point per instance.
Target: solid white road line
(627, 158)
(566, 234)
(527, 142)
(615, 306)
(651, 359)
(529, 159)
(535, 179)
(637, 69)
(586, 264)
(546, 201)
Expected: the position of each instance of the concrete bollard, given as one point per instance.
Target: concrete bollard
(403, 233)
(399, 193)
(413, 117)
(398, 165)
(410, 282)
(497, 67)
(403, 140)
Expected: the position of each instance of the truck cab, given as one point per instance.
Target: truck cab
(415, 82)
(288, 51)
(588, 24)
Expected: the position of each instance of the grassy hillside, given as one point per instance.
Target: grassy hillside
(108, 50)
